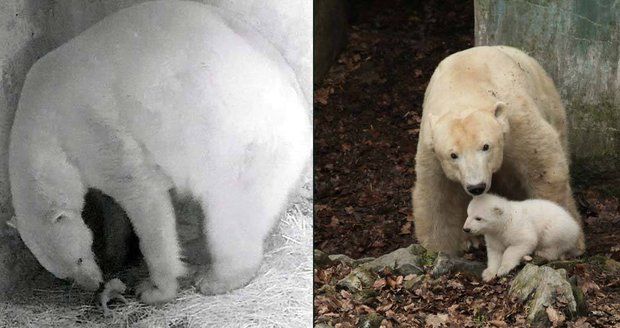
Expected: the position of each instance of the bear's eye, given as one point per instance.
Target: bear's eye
(454, 156)
(79, 261)
(478, 219)
(485, 147)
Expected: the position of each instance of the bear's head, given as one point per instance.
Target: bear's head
(469, 144)
(485, 214)
(62, 243)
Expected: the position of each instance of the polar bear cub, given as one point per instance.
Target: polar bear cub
(515, 229)
(164, 94)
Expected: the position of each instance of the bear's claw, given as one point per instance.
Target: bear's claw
(113, 289)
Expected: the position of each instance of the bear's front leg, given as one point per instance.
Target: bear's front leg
(117, 166)
(512, 257)
(439, 210)
(150, 211)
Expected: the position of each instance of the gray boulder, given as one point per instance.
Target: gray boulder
(545, 290)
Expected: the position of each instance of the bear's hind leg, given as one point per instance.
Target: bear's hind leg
(240, 211)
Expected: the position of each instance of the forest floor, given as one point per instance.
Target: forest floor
(366, 115)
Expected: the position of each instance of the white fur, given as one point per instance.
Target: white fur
(157, 94)
(513, 230)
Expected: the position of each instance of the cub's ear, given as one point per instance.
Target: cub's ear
(426, 132)
(501, 115)
(498, 211)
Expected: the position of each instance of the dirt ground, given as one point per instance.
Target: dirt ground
(366, 115)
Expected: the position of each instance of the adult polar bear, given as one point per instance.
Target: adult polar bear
(159, 95)
(492, 120)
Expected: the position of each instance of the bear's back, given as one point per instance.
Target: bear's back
(179, 77)
(478, 77)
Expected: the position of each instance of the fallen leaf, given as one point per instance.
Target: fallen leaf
(436, 320)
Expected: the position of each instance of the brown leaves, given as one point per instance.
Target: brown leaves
(555, 316)
(436, 320)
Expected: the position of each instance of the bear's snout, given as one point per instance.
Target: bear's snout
(477, 189)
(467, 230)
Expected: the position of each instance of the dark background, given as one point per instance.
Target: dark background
(366, 118)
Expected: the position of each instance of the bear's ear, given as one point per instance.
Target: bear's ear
(500, 112)
(58, 216)
(427, 130)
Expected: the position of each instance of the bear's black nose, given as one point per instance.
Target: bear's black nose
(467, 230)
(477, 189)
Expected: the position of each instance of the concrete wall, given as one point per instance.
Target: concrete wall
(578, 43)
(31, 28)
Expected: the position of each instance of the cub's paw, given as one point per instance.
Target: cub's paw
(211, 283)
(151, 294)
(488, 275)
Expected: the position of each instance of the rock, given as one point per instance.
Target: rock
(373, 320)
(564, 264)
(580, 297)
(327, 289)
(349, 261)
(322, 325)
(542, 287)
(320, 258)
(365, 296)
(414, 282)
(359, 279)
(445, 264)
(611, 265)
(402, 261)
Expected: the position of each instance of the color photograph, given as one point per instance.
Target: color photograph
(466, 164)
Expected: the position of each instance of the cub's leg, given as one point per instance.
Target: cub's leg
(117, 166)
(494, 258)
(512, 257)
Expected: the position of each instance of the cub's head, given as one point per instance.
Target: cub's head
(62, 243)
(469, 145)
(485, 214)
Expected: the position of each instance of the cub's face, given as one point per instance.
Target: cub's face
(470, 146)
(62, 243)
(483, 215)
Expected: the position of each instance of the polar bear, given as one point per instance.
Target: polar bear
(492, 120)
(514, 229)
(160, 95)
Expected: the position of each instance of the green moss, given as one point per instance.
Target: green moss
(480, 319)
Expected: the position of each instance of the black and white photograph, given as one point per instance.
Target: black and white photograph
(156, 163)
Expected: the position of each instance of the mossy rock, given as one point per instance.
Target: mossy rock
(372, 320)
(445, 264)
(541, 287)
(349, 261)
(403, 261)
(358, 280)
(320, 258)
